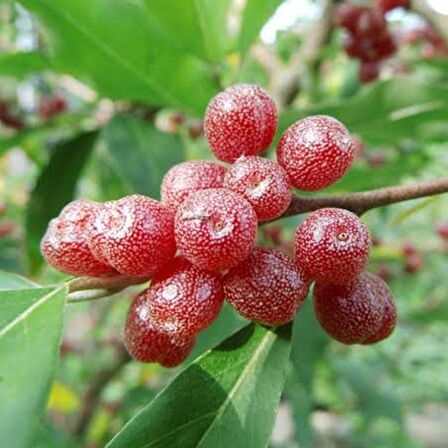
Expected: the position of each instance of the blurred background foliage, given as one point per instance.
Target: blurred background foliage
(99, 98)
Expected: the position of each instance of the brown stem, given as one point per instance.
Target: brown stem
(362, 202)
(112, 284)
(96, 387)
(437, 21)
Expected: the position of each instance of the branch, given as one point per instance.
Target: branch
(362, 202)
(437, 21)
(113, 284)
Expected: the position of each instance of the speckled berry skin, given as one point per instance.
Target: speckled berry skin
(215, 229)
(64, 245)
(267, 287)
(184, 298)
(134, 234)
(350, 313)
(241, 120)
(145, 342)
(264, 183)
(390, 312)
(315, 152)
(186, 177)
(332, 245)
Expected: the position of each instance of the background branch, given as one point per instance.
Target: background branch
(362, 202)
(437, 21)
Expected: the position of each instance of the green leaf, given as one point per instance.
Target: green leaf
(386, 112)
(14, 281)
(256, 14)
(198, 26)
(30, 331)
(54, 188)
(118, 48)
(227, 398)
(22, 64)
(141, 154)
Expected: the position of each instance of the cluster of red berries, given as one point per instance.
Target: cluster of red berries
(433, 45)
(368, 38)
(51, 106)
(209, 214)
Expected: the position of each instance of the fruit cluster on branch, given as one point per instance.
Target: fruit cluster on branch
(198, 245)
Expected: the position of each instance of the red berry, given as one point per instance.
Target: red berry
(266, 288)
(65, 246)
(215, 229)
(315, 152)
(390, 314)
(241, 120)
(134, 234)
(347, 15)
(52, 106)
(413, 263)
(352, 312)
(388, 5)
(442, 230)
(7, 228)
(184, 298)
(332, 246)
(263, 183)
(146, 342)
(371, 24)
(408, 249)
(368, 72)
(186, 177)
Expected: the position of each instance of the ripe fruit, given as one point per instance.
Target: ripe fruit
(264, 183)
(134, 234)
(442, 230)
(215, 229)
(388, 5)
(413, 263)
(52, 106)
(390, 314)
(65, 245)
(347, 15)
(241, 120)
(146, 342)
(186, 177)
(315, 152)
(353, 312)
(266, 288)
(185, 299)
(368, 71)
(332, 246)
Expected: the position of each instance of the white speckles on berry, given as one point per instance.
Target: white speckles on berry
(264, 183)
(315, 152)
(241, 120)
(266, 288)
(323, 255)
(215, 229)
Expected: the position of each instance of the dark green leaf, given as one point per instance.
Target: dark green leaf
(256, 14)
(117, 47)
(30, 331)
(227, 398)
(141, 154)
(55, 187)
(19, 65)
(199, 26)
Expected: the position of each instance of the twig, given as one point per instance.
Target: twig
(113, 284)
(362, 202)
(95, 389)
(437, 21)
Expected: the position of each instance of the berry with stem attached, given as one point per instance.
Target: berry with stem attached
(352, 312)
(183, 179)
(134, 234)
(215, 229)
(332, 245)
(267, 287)
(241, 120)
(65, 246)
(264, 183)
(185, 299)
(315, 152)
